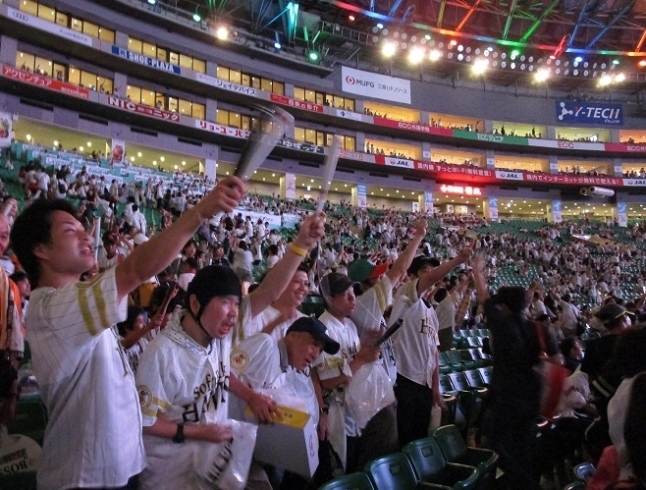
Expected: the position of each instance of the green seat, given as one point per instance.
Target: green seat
(474, 379)
(352, 481)
(395, 472)
(430, 466)
(455, 450)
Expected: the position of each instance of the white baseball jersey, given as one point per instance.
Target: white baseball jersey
(416, 341)
(93, 437)
(186, 383)
(368, 315)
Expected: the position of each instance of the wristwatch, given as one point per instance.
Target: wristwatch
(325, 409)
(179, 435)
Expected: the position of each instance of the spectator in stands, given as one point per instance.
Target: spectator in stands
(218, 257)
(416, 346)
(515, 386)
(137, 219)
(243, 264)
(336, 371)
(187, 270)
(77, 358)
(284, 363)
(598, 351)
(572, 351)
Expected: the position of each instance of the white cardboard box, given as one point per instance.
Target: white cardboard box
(291, 444)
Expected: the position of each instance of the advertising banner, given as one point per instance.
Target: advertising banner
(493, 208)
(362, 199)
(298, 104)
(556, 211)
(428, 201)
(118, 152)
(146, 60)
(223, 84)
(376, 86)
(50, 27)
(143, 109)
(622, 214)
(44, 82)
(290, 186)
(6, 126)
(591, 113)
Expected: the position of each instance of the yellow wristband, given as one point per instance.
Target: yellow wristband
(297, 250)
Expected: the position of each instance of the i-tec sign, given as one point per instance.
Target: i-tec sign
(592, 113)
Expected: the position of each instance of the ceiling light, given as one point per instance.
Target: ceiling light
(480, 66)
(351, 18)
(197, 17)
(642, 63)
(435, 55)
(620, 77)
(222, 33)
(578, 59)
(416, 55)
(388, 49)
(380, 26)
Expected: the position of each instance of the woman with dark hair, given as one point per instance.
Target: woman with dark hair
(515, 385)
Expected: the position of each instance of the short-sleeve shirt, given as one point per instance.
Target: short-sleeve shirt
(93, 437)
(416, 340)
(369, 315)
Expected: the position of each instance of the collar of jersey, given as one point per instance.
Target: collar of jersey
(177, 334)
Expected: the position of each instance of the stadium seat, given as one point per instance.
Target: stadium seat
(486, 373)
(456, 451)
(395, 471)
(352, 481)
(430, 466)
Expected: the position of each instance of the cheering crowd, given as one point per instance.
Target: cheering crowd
(170, 337)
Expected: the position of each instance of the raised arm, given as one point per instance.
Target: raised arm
(482, 292)
(437, 274)
(151, 257)
(401, 265)
(279, 276)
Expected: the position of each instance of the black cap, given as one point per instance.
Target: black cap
(419, 262)
(212, 281)
(316, 329)
(335, 283)
(611, 312)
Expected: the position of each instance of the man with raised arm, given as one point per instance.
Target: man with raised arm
(93, 438)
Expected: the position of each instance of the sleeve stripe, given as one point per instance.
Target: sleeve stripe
(85, 312)
(100, 303)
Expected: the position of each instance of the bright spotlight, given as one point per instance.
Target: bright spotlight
(542, 74)
(620, 77)
(605, 80)
(388, 49)
(380, 26)
(435, 55)
(197, 17)
(480, 66)
(152, 2)
(578, 59)
(222, 33)
(416, 55)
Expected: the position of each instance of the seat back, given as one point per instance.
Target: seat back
(445, 384)
(351, 481)
(473, 378)
(453, 357)
(450, 441)
(459, 381)
(485, 373)
(426, 457)
(392, 471)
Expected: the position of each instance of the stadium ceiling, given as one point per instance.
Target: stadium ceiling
(592, 37)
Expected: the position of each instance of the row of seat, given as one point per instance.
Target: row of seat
(442, 461)
(463, 359)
